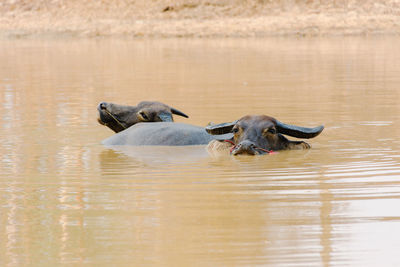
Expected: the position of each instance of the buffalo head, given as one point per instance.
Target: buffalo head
(254, 135)
(119, 117)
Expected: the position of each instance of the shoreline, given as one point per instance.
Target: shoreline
(196, 19)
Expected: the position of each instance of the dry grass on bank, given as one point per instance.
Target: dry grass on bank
(197, 18)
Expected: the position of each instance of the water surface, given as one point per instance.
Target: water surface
(66, 199)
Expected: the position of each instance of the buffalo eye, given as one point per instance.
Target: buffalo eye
(143, 116)
(271, 130)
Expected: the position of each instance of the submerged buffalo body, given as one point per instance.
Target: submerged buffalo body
(120, 117)
(251, 135)
(162, 134)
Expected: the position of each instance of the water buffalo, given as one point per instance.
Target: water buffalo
(260, 134)
(250, 135)
(120, 117)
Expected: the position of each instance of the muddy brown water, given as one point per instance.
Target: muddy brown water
(67, 200)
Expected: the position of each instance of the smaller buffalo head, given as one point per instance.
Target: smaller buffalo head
(254, 135)
(119, 117)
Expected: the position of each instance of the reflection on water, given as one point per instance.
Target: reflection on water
(65, 199)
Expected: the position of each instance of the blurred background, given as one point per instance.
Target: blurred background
(197, 18)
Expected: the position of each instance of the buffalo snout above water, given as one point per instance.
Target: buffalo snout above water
(260, 134)
(120, 117)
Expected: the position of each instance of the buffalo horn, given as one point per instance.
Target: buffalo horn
(297, 131)
(222, 128)
(177, 112)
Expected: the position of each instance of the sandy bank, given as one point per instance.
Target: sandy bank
(197, 18)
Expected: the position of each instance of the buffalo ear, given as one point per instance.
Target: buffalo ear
(222, 128)
(180, 113)
(297, 131)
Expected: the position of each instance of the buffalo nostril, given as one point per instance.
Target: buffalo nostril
(103, 105)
